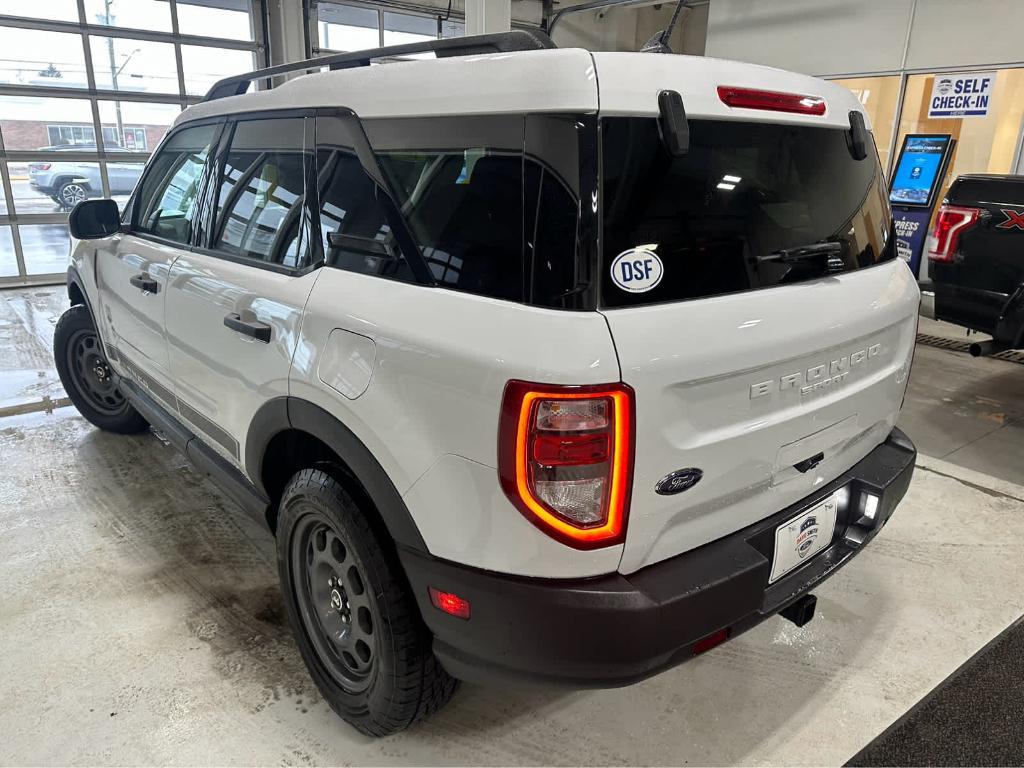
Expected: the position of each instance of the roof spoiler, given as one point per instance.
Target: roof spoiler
(504, 42)
(672, 123)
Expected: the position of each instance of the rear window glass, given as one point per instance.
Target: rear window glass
(749, 206)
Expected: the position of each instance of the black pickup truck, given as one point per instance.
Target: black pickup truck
(976, 259)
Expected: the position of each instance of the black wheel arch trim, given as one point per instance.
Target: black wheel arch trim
(75, 281)
(283, 413)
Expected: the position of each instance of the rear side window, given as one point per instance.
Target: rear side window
(169, 193)
(259, 208)
(355, 217)
(459, 184)
(464, 208)
(749, 206)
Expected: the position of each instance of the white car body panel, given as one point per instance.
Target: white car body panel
(693, 365)
(441, 364)
(221, 376)
(132, 320)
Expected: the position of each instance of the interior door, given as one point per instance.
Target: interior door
(235, 305)
(132, 274)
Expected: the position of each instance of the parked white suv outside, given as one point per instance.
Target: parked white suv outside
(540, 363)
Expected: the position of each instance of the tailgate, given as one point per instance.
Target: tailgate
(745, 386)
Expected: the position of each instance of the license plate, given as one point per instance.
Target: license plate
(801, 538)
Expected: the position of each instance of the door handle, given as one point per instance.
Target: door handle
(145, 283)
(256, 329)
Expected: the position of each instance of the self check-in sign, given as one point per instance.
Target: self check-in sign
(966, 95)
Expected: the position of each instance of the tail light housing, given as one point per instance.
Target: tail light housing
(773, 101)
(952, 222)
(565, 459)
(39, 166)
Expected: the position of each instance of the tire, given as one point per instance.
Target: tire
(71, 193)
(86, 376)
(356, 624)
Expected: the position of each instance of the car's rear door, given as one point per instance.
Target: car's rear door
(132, 267)
(234, 304)
(769, 351)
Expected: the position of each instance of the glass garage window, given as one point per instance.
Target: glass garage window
(348, 27)
(8, 259)
(137, 14)
(135, 126)
(46, 248)
(57, 10)
(39, 59)
(230, 18)
(120, 64)
(34, 123)
(87, 100)
(401, 28)
(205, 66)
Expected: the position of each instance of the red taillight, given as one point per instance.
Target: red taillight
(39, 166)
(952, 222)
(449, 602)
(565, 458)
(775, 101)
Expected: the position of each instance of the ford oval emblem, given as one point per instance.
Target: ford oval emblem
(679, 481)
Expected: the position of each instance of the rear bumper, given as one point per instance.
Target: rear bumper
(614, 630)
(972, 308)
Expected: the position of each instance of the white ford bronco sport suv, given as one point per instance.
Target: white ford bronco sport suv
(539, 363)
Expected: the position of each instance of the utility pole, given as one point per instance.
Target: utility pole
(114, 72)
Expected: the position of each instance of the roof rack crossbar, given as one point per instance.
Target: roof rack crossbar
(503, 42)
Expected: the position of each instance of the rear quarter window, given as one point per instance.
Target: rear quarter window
(721, 218)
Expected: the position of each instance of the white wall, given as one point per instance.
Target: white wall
(842, 37)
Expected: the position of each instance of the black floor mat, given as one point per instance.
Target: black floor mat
(974, 717)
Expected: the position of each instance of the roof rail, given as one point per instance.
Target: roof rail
(503, 42)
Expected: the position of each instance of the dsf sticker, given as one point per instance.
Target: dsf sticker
(637, 270)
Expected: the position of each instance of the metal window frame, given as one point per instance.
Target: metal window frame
(11, 218)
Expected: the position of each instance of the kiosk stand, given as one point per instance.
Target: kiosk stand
(920, 168)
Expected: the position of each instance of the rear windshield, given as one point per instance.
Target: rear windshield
(750, 206)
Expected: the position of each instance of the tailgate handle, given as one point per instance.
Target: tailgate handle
(809, 463)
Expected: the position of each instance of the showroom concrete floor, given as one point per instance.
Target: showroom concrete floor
(141, 620)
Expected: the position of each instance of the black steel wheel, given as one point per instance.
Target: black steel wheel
(91, 374)
(355, 621)
(87, 377)
(336, 609)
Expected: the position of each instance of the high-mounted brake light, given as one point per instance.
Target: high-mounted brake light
(565, 459)
(775, 101)
(952, 222)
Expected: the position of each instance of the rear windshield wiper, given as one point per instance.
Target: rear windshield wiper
(832, 253)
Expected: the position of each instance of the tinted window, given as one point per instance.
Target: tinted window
(260, 211)
(459, 183)
(727, 216)
(169, 193)
(353, 207)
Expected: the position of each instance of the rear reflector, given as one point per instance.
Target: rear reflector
(565, 459)
(709, 642)
(952, 222)
(450, 603)
(774, 101)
